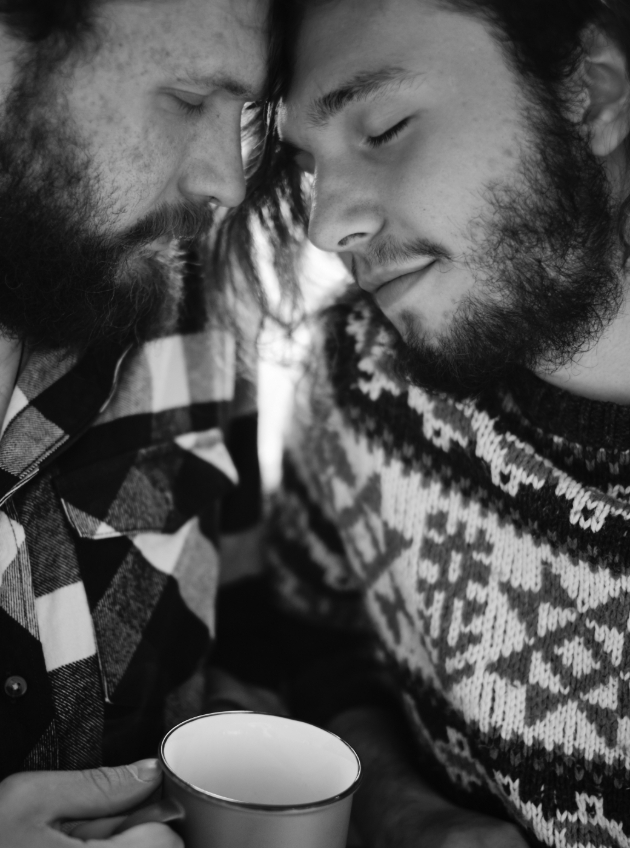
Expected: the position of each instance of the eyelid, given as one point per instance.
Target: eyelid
(188, 102)
(194, 98)
(388, 135)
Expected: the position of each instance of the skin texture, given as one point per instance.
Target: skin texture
(128, 102)
(120, 114)
(426, 188)
(34, 805)
(426, 182)
(111, 153)
(387, 202)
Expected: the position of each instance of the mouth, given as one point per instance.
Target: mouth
(387, 292)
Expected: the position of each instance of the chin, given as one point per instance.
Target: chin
(406, 323)
(414, 329)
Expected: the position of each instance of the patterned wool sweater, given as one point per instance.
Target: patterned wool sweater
(485, 543)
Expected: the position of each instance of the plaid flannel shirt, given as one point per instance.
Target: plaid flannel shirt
(115, 479)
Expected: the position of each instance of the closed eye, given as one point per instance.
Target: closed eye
(190, 104)
(190, 108)
(388, 135)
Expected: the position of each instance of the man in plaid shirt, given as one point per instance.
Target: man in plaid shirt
(127, 436)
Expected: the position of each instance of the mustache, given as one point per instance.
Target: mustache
(389, 252)
(185, 221)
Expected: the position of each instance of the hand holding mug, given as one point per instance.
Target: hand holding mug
(34, 805)
(251, 780)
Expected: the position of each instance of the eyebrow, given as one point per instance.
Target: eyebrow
(233, 86)
(362, 86)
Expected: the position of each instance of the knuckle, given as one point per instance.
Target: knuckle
(106, 780)
(16, 788)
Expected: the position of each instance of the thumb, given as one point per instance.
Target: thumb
(86, 794)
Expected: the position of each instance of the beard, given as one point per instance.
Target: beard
(546, 263)
(67, 281)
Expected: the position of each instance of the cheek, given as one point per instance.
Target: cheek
(460, 151)
(152, 152)
(440, 187)
(135, 161)
(431, 198)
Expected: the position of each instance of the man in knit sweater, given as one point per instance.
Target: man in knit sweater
(455, 501)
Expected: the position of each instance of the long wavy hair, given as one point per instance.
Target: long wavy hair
(544, 40)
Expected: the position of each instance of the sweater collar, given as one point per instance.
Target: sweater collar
(575, 419)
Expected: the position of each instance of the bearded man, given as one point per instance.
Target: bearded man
(121, 132)
(455, 500)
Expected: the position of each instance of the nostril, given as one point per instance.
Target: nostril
(346, 241)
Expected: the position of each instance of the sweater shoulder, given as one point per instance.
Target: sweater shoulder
(368, 389)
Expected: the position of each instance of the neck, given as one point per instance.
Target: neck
(603, 372)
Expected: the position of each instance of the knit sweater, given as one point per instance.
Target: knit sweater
(484, 542)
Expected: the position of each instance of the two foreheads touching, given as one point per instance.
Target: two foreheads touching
(546, 42)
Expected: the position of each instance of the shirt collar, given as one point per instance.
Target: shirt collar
(56, 397)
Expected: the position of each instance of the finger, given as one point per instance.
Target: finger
(144, 836)
(94, 793)
(105, 827)
(95, 829)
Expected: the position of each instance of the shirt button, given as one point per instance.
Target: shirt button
(15, 686)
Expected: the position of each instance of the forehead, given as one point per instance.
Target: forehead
(186, 37)
(342, 39)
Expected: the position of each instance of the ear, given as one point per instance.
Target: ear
(607, 93)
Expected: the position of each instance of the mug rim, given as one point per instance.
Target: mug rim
(245, 805)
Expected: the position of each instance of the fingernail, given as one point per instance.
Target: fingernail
(146, 770)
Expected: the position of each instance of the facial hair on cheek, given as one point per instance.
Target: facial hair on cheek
(65, 280)
(546, 284)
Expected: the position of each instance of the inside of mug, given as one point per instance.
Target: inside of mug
(261, 759)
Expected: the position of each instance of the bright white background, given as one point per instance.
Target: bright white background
(280, 357)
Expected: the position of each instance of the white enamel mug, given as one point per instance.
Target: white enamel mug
(251, 780)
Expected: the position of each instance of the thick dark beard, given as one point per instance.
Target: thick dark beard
(67, 282)
(547, 268)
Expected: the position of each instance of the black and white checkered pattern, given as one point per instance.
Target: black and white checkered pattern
(112, 477)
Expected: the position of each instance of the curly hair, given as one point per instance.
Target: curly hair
(544, 40)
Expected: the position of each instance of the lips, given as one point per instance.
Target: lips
(387, 291)
(372, 284)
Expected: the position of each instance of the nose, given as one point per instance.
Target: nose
(212, 170)
(345, 210)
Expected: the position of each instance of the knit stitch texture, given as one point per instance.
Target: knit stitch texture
(485, 542)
